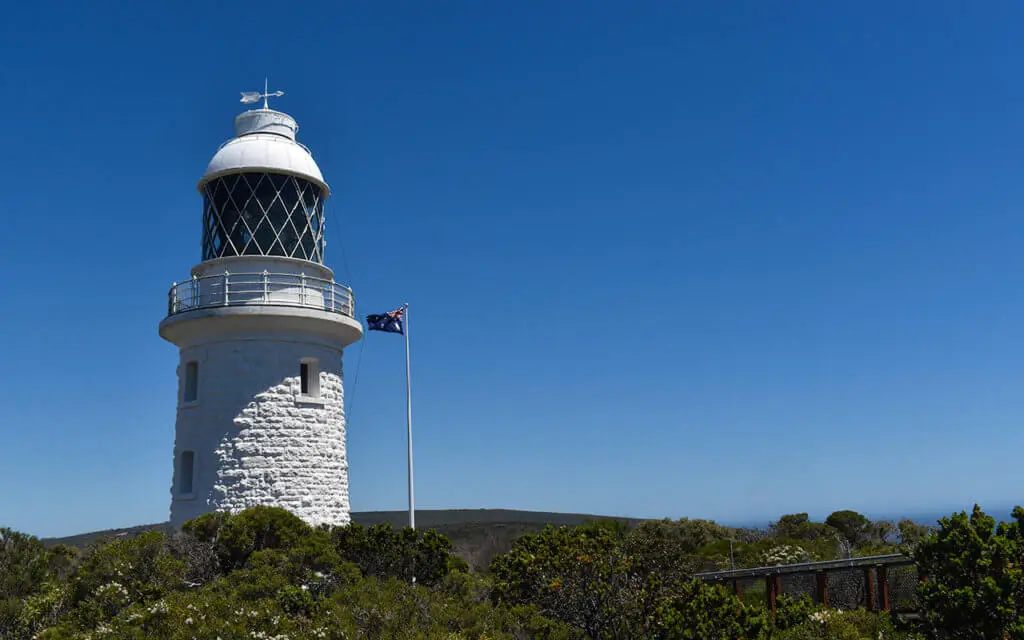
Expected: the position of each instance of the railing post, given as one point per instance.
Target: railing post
(194, 292)
(332, 285)
(773, 584)
(883, 587)
(265, 286)
(172, 300)
(302, 289)
(869, 588)
(821, 584)
(226, 296)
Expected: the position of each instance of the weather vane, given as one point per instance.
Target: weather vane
(248, 97)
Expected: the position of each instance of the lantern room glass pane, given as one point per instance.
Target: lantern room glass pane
(262, 214)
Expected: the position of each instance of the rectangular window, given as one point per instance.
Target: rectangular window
(309, 378)
(191, 392)
(186, 472)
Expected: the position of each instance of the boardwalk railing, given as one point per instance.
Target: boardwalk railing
(877, 583)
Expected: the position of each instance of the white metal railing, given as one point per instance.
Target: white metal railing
(274, 289)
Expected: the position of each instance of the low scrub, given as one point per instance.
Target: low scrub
(264, 573)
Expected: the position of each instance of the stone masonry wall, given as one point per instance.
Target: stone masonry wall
(257, 440)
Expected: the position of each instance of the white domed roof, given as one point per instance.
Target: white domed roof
(265, 142)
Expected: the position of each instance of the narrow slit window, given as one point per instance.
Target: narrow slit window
(186, 472)
(191, 382)
(309, 378)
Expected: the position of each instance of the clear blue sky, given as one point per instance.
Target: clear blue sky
(724, 260)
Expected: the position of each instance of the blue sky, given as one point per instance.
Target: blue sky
(724, 260)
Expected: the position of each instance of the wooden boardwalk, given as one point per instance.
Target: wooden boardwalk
(876, 583)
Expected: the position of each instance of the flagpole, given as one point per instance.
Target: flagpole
(408, 417)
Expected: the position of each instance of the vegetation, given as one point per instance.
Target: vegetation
(975, 585)
(264, 573)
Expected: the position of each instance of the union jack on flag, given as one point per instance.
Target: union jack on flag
(390, 322)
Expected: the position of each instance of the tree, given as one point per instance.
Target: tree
(911, 534)
(973, 577)
(798, 526)
(854, 527)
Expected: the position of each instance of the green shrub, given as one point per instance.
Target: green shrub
(790, 612)
(31, 583)
(974, 577)
(579, 575)
(119, 573)
(255, 529)
(707, 612)
(265, 573)
(295, 600)
(844, 625)
(406, 554)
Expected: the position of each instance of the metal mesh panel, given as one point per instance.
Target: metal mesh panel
(263, 214)
(797, 585)
(753, 591)
(846, 588)
(903, 588)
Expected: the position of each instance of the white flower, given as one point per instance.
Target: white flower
(785, 554)
(159, 607)
(821, 617)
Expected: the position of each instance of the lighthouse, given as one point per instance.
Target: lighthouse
(260, 326)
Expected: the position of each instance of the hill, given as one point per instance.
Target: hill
(476, 534)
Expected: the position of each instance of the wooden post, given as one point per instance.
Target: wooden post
(869, 588)
(821, 584)
(773, 584)
(737, 588)
(883, 587)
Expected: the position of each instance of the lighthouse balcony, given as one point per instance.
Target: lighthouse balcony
(269, 289)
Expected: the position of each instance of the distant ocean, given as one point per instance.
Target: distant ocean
(924, 516)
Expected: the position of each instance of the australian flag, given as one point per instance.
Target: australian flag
(390, 321)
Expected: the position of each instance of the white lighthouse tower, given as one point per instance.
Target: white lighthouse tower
(261, 326)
